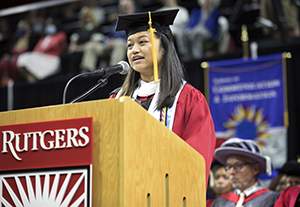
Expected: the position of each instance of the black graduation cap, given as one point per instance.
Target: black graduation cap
(291, 167)
(138, 22)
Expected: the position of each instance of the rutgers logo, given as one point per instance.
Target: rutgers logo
(46, 140)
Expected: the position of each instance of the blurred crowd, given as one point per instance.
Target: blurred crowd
(63, 40)
(75, 37)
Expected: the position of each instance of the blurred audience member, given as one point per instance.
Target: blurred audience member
(278, 183)
(89, 30)
(4, 30)
(37, 19)
(288, 175)
(97, 9)
(290, 197)
(44, 60)
(21, 42)
(290, 18)
(114, 49)
(181, 19)
(219, 181)
(70, 12)
(202, 27)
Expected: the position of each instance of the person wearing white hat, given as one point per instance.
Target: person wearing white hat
(243, 161)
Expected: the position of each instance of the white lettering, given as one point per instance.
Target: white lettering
(84, 136)
(47, 140)
(72, 138)
(9, 143)
(247, 86)
(25, 148)
(59, 138)
(34, 139)
(224, 80)
(42, 140)
(248, 96)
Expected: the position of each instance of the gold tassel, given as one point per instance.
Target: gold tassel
(151, 30)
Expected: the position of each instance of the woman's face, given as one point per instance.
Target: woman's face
(87, 19)
(23, 27)
(126, 6)
(139, 53)
(282, 184)
(287, 181)
(222, 182)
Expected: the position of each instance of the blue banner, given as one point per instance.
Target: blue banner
(247, 98)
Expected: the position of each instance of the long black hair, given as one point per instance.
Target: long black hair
(171, 73)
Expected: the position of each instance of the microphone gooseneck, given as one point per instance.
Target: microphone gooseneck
(122, 68)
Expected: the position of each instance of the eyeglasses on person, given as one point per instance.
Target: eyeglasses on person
(237, 167)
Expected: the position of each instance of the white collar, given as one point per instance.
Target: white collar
(250, 190)
(146, 89)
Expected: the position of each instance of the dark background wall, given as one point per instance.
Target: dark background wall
(8, 4)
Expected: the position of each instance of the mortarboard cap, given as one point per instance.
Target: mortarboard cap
(137, 22)
(291, 167)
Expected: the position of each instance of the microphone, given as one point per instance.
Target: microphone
(122, 67)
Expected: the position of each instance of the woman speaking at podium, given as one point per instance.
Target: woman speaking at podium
(156, 81)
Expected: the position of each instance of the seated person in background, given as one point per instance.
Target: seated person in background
(291, 17)
(98, 10)
(244, 162)
(5, 31)
(44, 60)
(290, 197)
(202, 27)
(219, 181)
(278, 183)
(114, 49)
(288, 175)
(181, 19)
(21, 42)
(89, 30)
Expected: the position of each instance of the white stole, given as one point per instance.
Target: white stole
(170, 114)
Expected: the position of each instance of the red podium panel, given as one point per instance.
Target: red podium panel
(46, 162)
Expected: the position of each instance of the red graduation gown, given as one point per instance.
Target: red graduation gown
(194, 124)
(288, 197)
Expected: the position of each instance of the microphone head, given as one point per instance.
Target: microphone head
(125, 67)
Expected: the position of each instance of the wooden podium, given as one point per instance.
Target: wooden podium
(137, 161)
